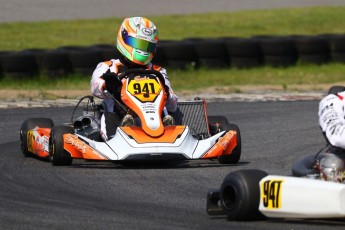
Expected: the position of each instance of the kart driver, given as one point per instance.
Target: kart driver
(137, 41)
(332, 119)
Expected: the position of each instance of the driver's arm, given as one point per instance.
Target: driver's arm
(97, 82)
(331, 119)
(171, 103)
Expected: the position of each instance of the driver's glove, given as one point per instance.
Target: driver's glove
(112, 82)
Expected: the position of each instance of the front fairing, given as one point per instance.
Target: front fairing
(122, 146)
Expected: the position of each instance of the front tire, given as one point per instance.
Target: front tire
(29, 124)
(240, 195)
(235, 155)
(58, 156)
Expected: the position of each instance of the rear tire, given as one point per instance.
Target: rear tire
(240, 195)
(29, 124)
(58, 156)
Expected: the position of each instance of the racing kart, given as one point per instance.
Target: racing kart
(316, 189)
(194, 135)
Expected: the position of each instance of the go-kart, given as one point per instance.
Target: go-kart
(194, 135)
(316, 189)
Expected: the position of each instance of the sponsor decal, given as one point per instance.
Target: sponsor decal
(81, 145)
(30, 140)
(225, 140)
(147, 31)
(271, 193)
(37, 143)
(73, 140)
(145, 38)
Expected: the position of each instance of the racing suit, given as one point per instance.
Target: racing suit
(332, 119)
(117, 66)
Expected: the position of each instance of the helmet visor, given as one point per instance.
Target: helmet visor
(139, 43)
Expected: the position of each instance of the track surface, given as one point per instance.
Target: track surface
(38, 10)
(88, 195)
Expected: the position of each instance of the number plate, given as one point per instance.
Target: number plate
(144, 88)
(271, 193)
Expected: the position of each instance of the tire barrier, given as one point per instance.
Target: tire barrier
(19, 64)
(226, 52)
(83, 60)
(54, 63)
(211, 53)
(337, 46)
(180, 54)
(278, 51)
(243, 52)
(313, 49)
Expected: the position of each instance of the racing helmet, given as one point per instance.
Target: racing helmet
(137, 40)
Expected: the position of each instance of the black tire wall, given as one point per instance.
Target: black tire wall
(226, 52)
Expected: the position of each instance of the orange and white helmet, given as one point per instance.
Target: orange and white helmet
(137, 40)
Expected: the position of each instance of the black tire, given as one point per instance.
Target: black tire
(217, 119)
(58, 156)
(3, 54)
(314, 59)
(213, 63)
(338, 57)
(312, 45)
(211, 53)
(235, 155)
(337, 43)
(243, 47)
(55, 63)
(278, 46)
(180, 55)
(211, 48)
(84, 61)
(19, 64)
(336, 89)
(107, 52)
(240, 195)
(245, 62)
(160, 57)
(220, 123)
(279, 61)
(30, 124)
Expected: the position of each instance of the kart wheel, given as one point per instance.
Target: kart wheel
(217, 119)
(240, 195)
(57, 154)
(30, 124)
(215, 122)
(235, 155)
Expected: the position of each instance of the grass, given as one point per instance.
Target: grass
(204, 78)
(52, 34)
(303, 21)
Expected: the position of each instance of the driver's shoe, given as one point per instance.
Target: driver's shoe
(168, 120)
(127, 120)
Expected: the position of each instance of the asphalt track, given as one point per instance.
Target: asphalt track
(104, 195)
(88, 195)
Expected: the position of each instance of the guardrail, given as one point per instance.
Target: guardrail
(226, 52)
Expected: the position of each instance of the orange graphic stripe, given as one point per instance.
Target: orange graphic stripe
(171, 133)
(224, 145)
(79, 149)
